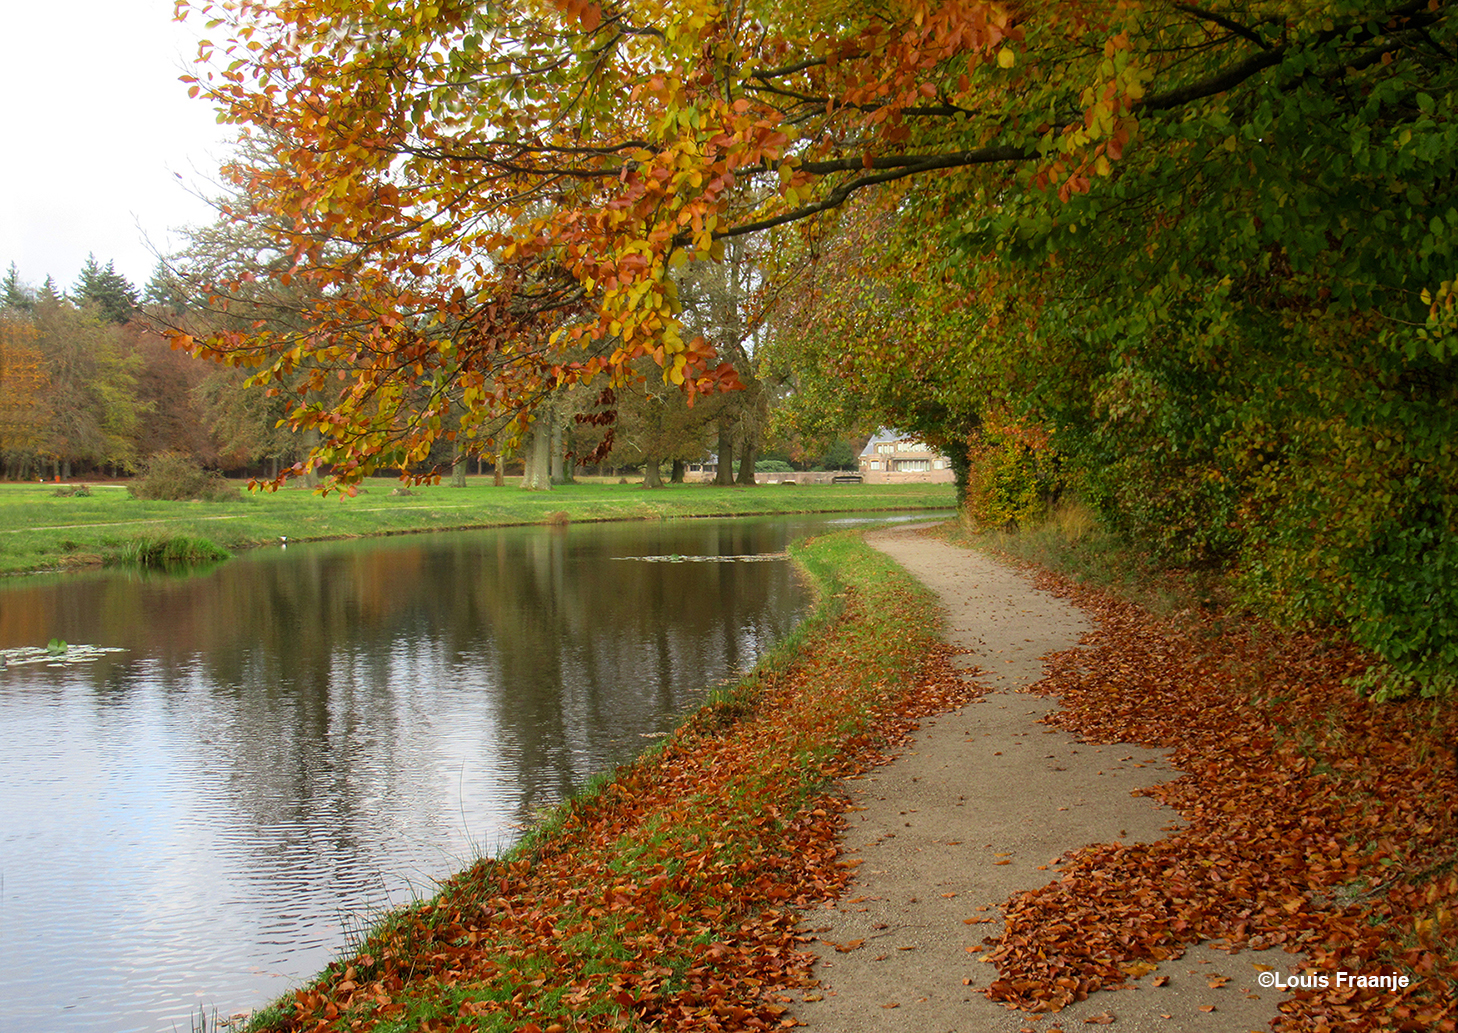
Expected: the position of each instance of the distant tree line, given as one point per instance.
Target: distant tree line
(90, 387)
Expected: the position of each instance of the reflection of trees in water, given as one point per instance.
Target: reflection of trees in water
(343, 685)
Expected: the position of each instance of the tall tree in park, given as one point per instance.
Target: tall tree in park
(89, 409)
(655, 425)
(725, 302)
(229, 279)
(869, 333)
(23, 383)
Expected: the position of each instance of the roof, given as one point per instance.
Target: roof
(887, 436)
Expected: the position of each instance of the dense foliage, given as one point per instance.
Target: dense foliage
(1207, 247)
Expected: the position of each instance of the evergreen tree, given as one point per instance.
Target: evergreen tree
(106, 288)
(15, 294)
(165, 290)
(88, 281)
(48, 294)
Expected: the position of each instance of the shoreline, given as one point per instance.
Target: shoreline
(37, 543)
(670, 884)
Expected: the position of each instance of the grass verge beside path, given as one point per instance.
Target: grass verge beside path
(665, 897)
(40, 531)
(1314, 819)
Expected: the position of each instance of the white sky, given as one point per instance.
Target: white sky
(96, 130)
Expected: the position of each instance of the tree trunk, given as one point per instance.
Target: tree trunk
(746, 463)
(678, 470)
(725, 474)
(568, 450)
(537, 475)
(458, 470)
(554, 465)
(312, 438)
(652, 478)
(499, 469)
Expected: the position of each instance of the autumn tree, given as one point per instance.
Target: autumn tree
(725, 302)
(23, 383)
(89, 409)
(656, 425)
(1136, 206)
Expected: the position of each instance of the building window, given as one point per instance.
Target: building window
(913, 465)
(875, 464)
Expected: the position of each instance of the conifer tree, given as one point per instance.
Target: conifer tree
(106, 288)
(14, 293)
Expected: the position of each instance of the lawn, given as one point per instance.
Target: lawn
(40, 530)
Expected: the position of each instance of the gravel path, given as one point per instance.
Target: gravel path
(979, 807)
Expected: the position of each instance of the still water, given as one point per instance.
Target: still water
(201, 810)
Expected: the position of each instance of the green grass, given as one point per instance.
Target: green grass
(41, 531)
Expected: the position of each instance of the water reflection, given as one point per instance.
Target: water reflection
(303, 737)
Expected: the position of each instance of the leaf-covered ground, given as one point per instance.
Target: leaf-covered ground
(1314, 820)
(668, 898)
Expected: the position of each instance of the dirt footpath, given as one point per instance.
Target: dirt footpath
(979, 807)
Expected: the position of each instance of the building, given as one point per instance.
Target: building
(891, 457)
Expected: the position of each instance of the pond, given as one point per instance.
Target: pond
(226, 777)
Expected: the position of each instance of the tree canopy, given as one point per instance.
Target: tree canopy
(1204, 250)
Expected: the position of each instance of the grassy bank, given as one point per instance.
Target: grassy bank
(42, 531)
(664, 896)
(1072, 543)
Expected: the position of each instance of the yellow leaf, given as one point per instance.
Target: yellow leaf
(1005, 58)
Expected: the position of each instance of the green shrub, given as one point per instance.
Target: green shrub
(173, 476)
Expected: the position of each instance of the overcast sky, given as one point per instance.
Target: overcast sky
(97, 131)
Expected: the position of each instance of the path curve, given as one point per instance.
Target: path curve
(980, 806)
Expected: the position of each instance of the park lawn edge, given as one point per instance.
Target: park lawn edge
(666, 894)
(42, 534)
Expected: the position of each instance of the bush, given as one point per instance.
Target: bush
(772, 466)
(167, 551)
(173, 476)
(1014, 476)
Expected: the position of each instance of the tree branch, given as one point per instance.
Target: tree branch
(1225, 23)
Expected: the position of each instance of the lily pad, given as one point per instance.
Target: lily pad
(66, 655)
